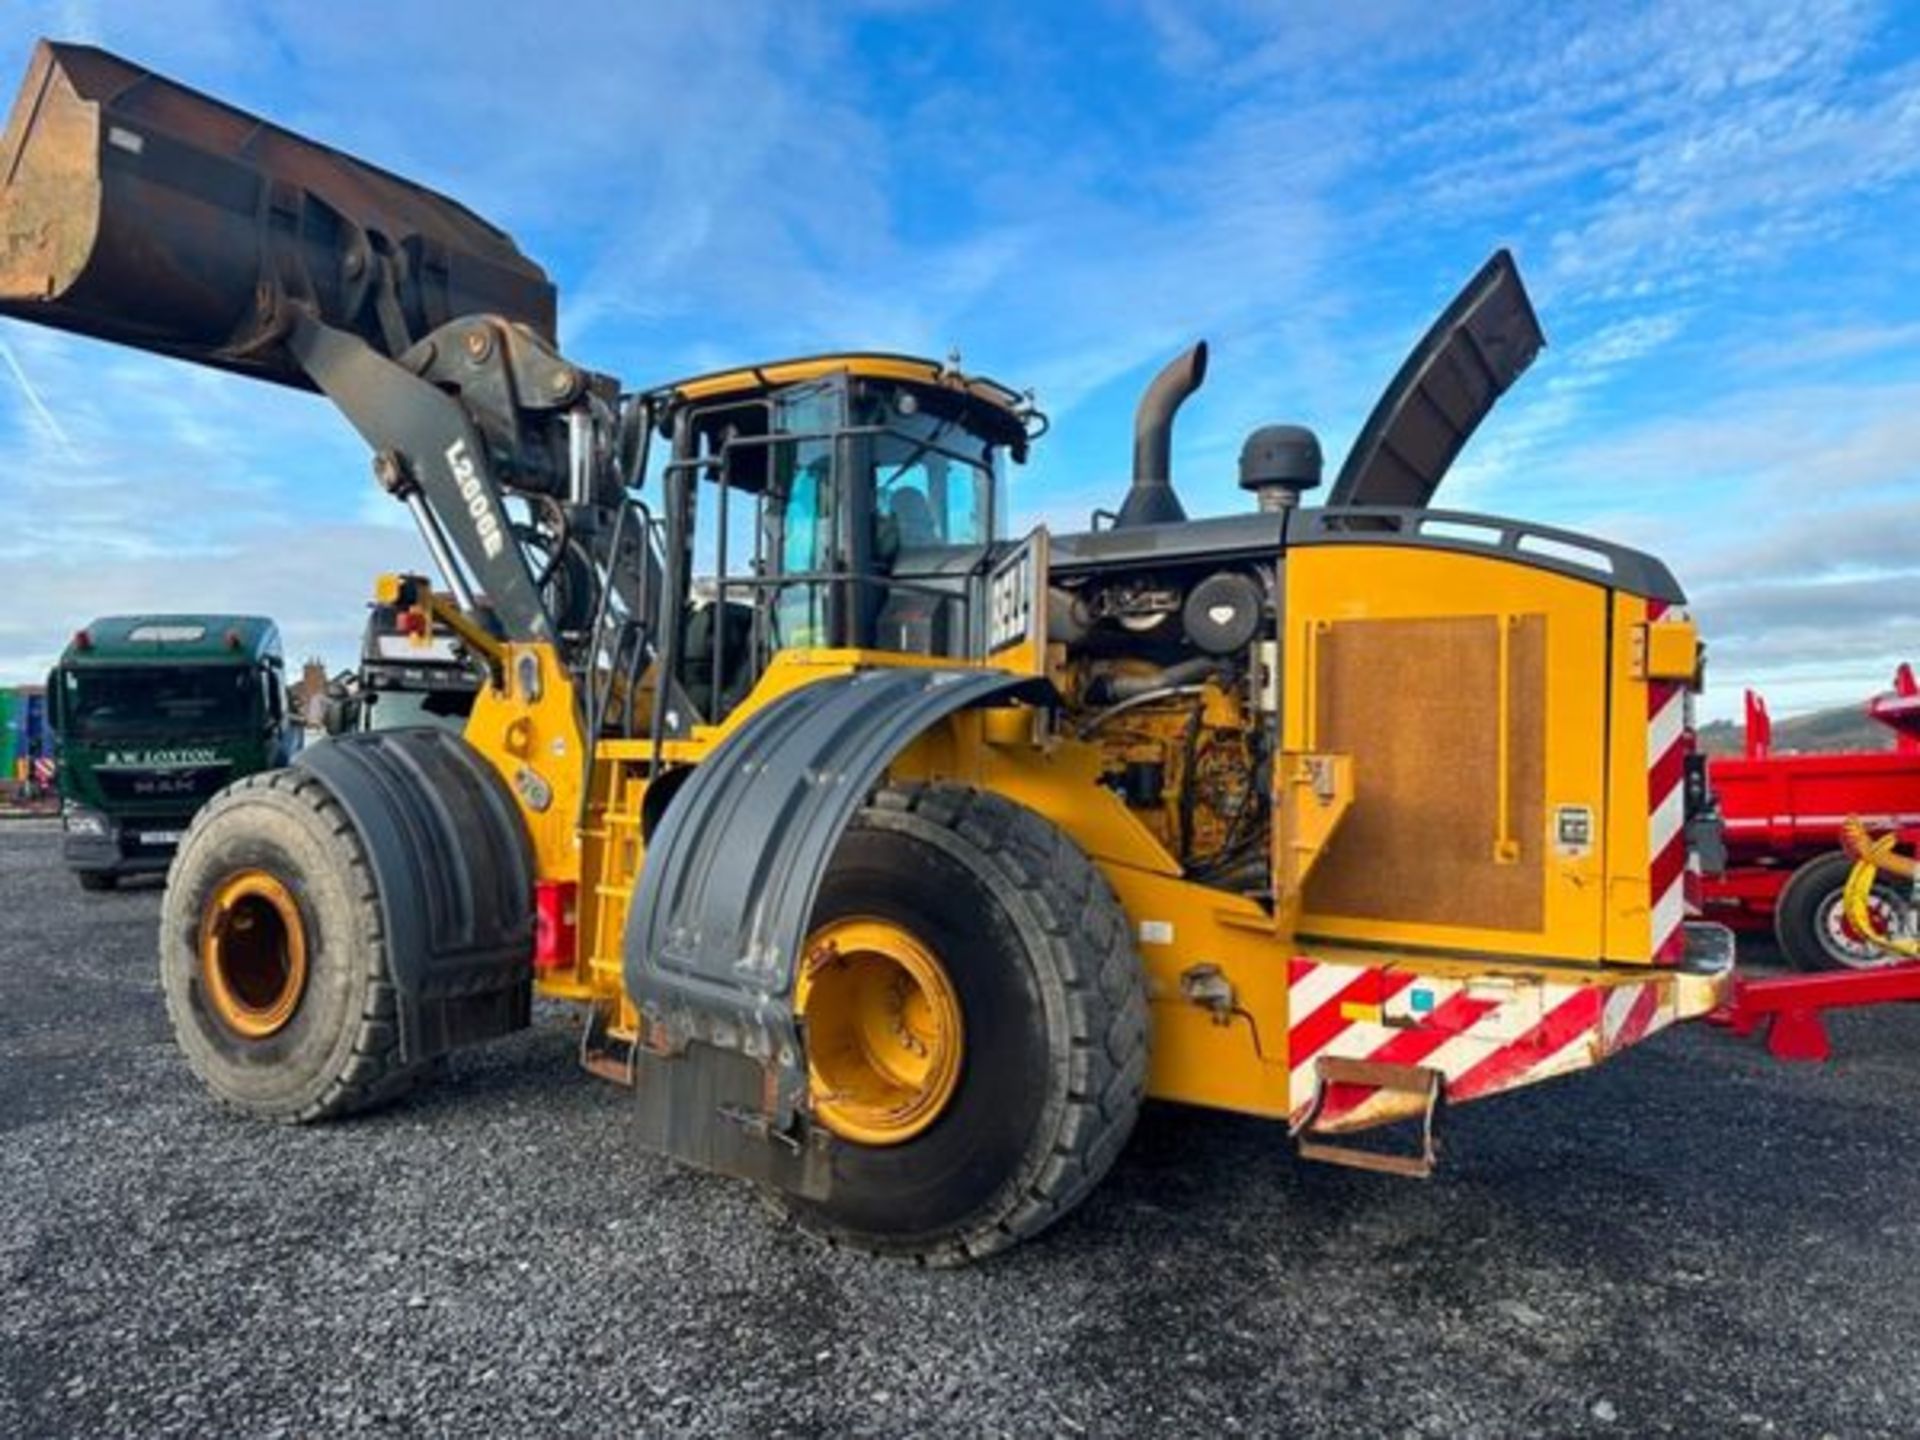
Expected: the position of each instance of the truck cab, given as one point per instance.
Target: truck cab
(152, 714)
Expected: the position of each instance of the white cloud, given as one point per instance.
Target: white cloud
(1813, 344)
(157, 486)
(1786, 511)
(315, 584)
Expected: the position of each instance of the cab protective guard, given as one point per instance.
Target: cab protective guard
(728, 884)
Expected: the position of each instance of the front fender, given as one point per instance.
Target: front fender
(454, 870)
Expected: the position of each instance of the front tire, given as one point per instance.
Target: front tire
(273, 955)
(1809, 919)
(1035, 1074)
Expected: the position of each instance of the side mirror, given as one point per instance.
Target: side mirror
(339, 711)
(53, 700)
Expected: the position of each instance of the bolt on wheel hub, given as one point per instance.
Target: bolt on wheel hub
(883, 1031)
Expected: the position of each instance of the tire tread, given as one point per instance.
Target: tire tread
(374, 1074)
(1105, 1046)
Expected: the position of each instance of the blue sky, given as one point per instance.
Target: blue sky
(1714, 205)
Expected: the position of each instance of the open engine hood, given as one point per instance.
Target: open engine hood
(1475, 350)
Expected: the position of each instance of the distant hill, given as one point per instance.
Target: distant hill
(1845, 727)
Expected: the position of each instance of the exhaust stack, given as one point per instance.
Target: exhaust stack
(1151, 499)
(139, 211)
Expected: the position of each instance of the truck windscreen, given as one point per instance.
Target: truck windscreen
(199, 699)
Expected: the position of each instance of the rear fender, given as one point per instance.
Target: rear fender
(728, 884)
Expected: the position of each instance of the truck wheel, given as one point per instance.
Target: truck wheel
(273, 955)
(95, 881)
(976, 1026)
(1811, 923)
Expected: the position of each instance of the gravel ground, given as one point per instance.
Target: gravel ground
(1693, 1239)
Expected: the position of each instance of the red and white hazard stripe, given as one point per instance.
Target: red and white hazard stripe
(1483, 1034)
(1666, 811)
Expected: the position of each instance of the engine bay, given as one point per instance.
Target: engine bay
(1172, 674)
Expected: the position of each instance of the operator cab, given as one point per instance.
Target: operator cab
(847, 501)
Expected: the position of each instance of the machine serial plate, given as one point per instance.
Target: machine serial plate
(1572, 831)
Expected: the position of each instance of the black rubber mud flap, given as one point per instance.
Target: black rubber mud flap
(454, 870)
(729, 881)
(709, 1107)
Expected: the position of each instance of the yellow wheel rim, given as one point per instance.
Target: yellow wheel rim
(253, 954)
(883, 1031)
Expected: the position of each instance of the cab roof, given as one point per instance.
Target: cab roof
(1000, 413)
(121, 639)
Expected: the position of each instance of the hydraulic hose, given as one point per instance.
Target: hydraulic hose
(1155, 682)
(1169, 692)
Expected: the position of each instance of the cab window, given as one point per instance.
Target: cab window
(802, 520)
(925, 497)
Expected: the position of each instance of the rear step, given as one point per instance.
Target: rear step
(1424, 1088)
(606, 1054)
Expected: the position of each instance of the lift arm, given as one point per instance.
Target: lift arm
(430, 455)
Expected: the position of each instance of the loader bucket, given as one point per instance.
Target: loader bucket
(139, 211)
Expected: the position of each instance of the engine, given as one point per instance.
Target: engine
(1172, 675)
(1172, 665)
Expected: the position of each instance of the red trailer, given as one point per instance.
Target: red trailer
(1783, 815)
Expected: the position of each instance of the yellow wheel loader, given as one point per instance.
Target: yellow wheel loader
(891, 860)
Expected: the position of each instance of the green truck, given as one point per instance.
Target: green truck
(151, 715)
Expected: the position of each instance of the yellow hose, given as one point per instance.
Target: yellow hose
(1871, 857)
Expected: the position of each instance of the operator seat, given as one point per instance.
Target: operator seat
(696, 661)
(913, 620)
(913, 520)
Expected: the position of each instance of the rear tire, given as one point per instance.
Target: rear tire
(1810, 925)
(1053, 1012)
(273, 955)
(97, 881)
